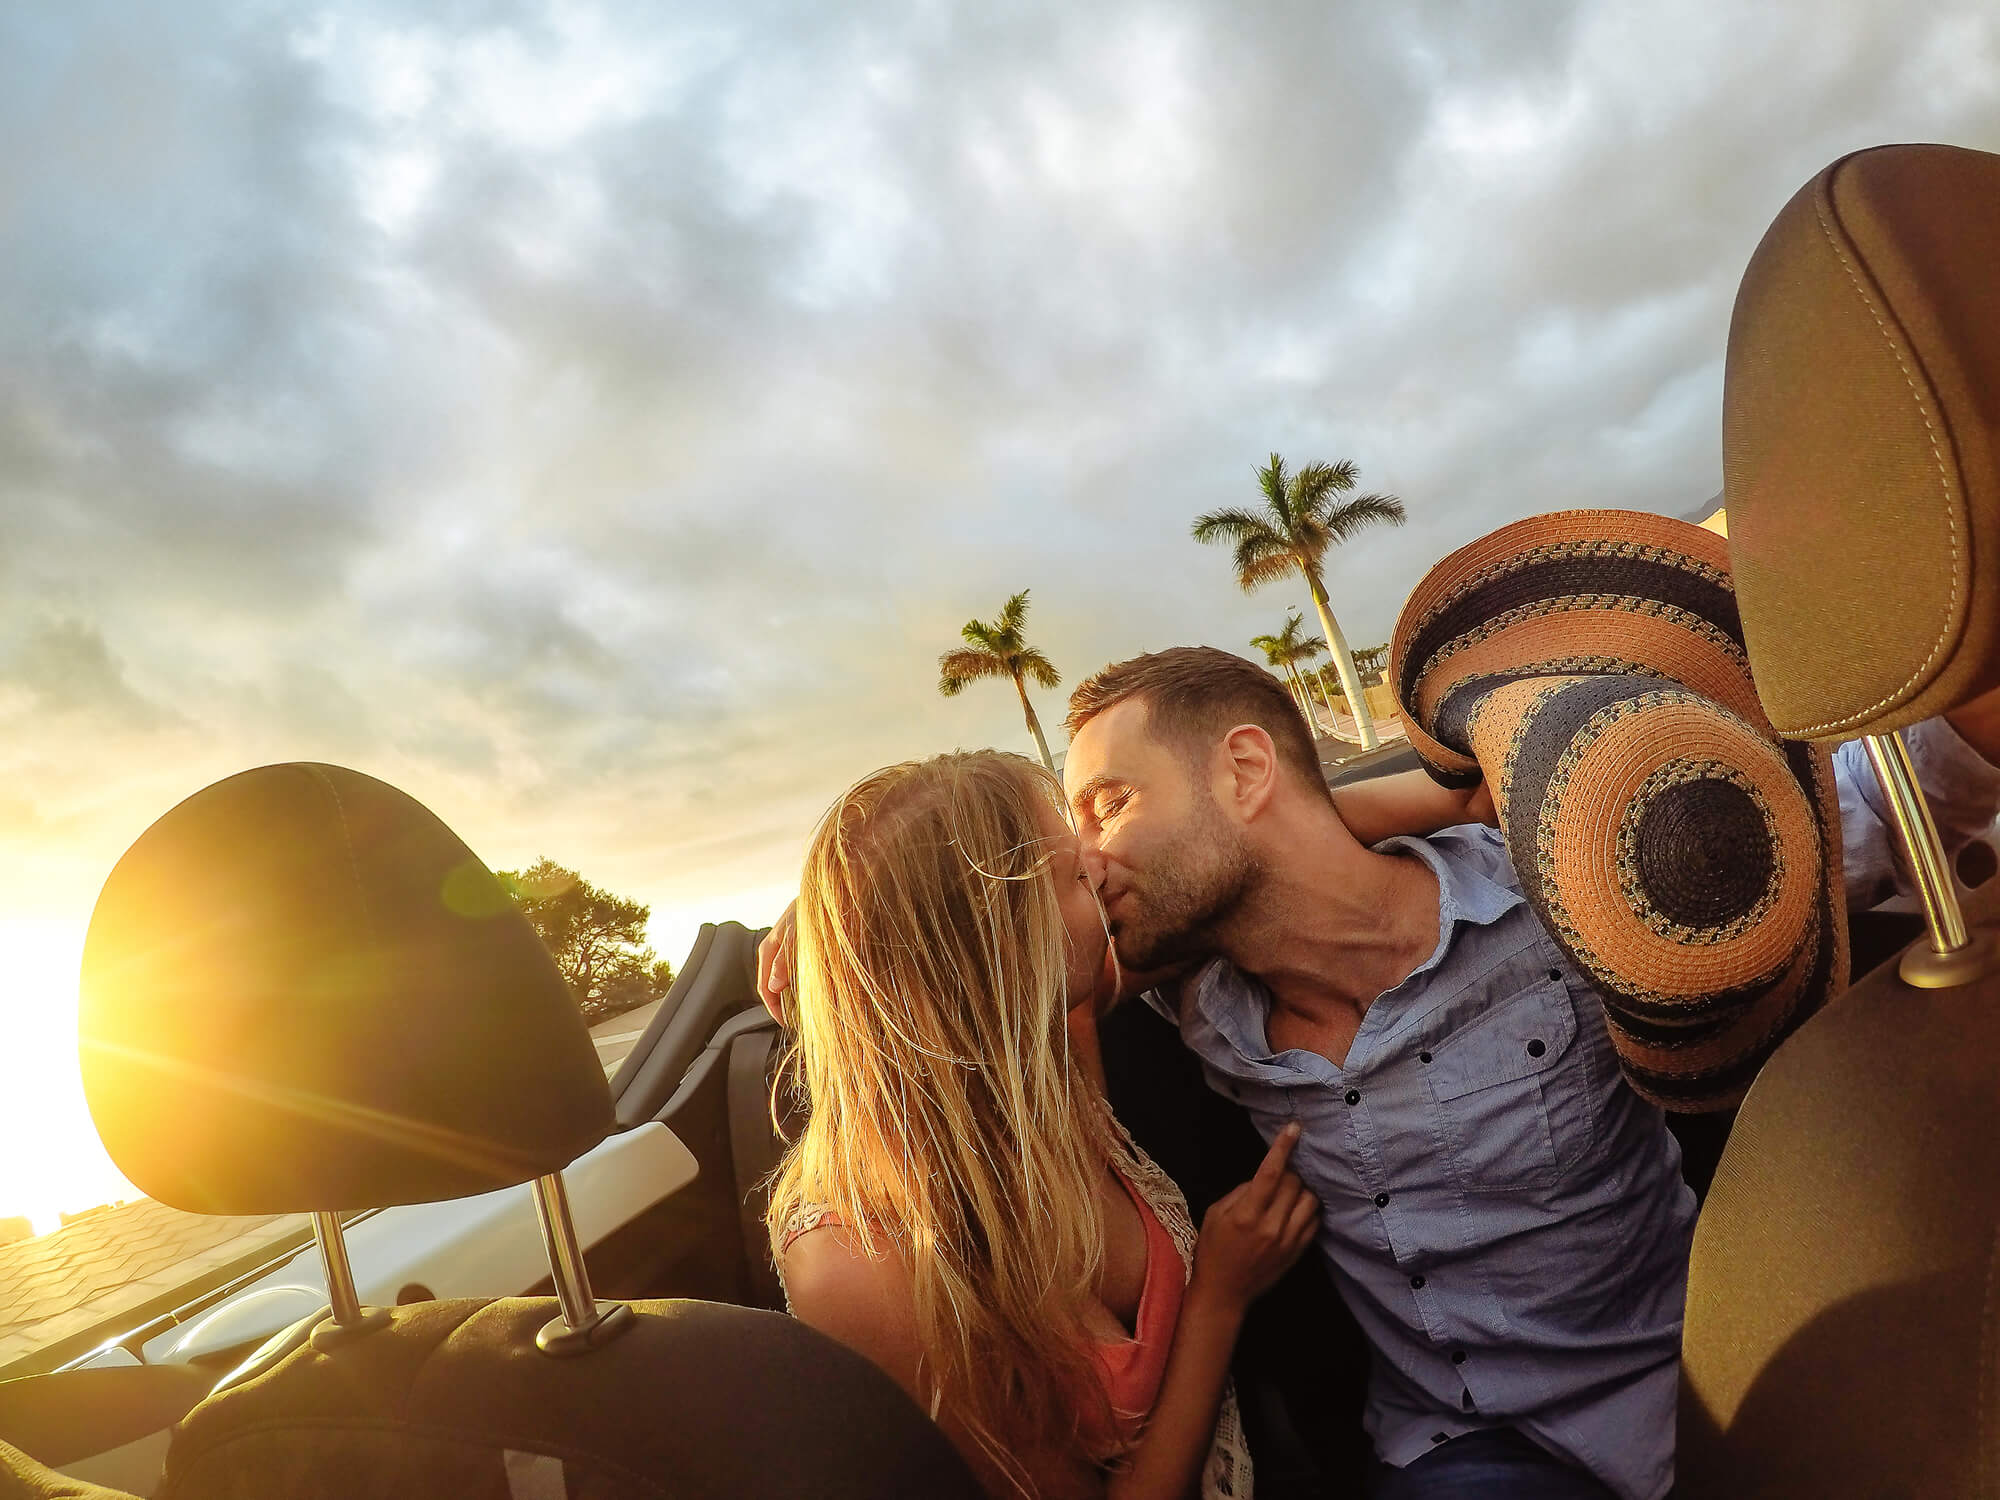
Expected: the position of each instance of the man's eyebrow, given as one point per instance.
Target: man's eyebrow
(1092, 787)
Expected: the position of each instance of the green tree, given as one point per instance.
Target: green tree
(1000, 649)
(598, 940)
(1370, 662)
(1371, 665)
(1287, 651)
(1303, 516)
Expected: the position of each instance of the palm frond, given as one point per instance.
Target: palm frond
(1298, 647)
(1277, 488)
(1269, 566)
(957, 668)
(1364, 510)
(1232, 524)
(1316, 482)
(1033, 664)
(1272, 647)
(1013, 617)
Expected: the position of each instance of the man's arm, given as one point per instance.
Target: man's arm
(1408, 802)
(1955, 758)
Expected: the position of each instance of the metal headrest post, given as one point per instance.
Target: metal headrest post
(350, 1318)
(1954, 956)
(583, 1325)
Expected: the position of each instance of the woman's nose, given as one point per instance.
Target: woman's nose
(1093, 865)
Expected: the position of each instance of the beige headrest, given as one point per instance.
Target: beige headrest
(1861, 443)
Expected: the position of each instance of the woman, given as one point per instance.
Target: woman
(961, 1207)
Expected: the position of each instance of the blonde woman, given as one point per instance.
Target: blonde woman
(961, 1207)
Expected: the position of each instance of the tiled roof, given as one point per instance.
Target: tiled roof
(115, 1264)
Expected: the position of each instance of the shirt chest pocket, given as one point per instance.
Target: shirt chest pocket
(1512, 1092)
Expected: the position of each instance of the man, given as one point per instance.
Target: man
(1505, 1217)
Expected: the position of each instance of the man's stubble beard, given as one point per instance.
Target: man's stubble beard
(1195, 885)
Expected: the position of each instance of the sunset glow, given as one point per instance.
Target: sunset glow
(594, 419)
(50, 1161)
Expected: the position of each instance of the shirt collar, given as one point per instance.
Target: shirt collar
(1224, 994)
(1464, 895)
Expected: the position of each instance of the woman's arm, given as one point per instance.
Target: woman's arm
(864, 1301)
(1408, 802)
(1248, 1240)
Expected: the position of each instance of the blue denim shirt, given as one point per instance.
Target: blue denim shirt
(1505, 1218)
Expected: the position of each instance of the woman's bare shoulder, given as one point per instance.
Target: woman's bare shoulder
(861, 1299)
(866, 1302)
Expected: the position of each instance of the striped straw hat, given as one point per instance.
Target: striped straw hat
(1590, 665)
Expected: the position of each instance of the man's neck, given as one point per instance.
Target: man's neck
(1332, 924)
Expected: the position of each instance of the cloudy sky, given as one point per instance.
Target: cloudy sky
(596, 419)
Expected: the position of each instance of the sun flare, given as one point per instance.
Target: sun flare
(50, 1159)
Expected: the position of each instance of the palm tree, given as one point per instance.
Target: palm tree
(1285, 651)
(1304, 515)
(998, 650)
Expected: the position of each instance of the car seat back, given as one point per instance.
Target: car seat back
(1841, 1319)
(694, 1399)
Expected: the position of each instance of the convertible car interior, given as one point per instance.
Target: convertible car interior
(303, 994)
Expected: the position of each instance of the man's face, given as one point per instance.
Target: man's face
(1174, 866)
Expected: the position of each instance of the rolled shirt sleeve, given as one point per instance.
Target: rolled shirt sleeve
(1964, 795)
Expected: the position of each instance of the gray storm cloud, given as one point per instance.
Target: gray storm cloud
(598, 424)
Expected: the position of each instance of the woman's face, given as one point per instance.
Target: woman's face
(1076, 894)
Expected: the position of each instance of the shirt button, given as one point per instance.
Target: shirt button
(1536, 1048)
(1354, 1096)
(1423, 1057)
(1381, 1200)
(1458, 1356)
(1556, 975)
(1417, 1283)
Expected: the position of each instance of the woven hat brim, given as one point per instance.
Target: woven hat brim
(1589, 665)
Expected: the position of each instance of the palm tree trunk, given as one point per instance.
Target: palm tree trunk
(1303, 697)
(1034, 724)
(1299, 698)
(1343, 660)
(1318, 680)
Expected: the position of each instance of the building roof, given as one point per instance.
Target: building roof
(113, 1269)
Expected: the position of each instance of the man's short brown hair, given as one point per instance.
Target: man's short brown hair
(1196, 694)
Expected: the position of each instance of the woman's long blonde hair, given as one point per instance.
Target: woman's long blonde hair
(947, 1118)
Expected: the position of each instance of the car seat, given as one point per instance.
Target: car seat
(1843, 1316)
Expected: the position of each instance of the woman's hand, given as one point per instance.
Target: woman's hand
(1251, 1237)
(774, 964)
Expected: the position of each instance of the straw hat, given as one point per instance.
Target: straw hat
(1589, 664)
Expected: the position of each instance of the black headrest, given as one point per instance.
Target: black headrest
(301, 991)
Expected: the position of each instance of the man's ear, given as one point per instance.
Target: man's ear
(1247, 771)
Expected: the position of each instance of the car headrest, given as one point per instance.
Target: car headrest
(301, 992)
(1861, 443)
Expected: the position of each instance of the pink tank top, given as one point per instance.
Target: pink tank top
(1133, 1368)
